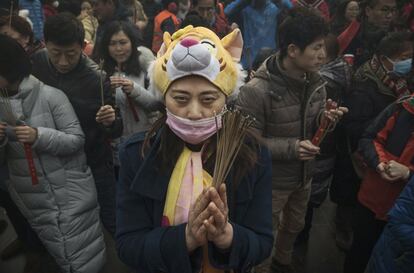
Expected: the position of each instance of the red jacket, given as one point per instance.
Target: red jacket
(221, 26)
(159, 20)
(390, 137)
(49, 10)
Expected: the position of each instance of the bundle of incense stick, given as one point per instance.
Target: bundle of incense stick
(325, 126)
(229, 141)
(101, 65)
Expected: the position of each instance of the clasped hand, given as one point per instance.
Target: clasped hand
(24, 134)
(393, 171)
(208, 220)
(126, 85)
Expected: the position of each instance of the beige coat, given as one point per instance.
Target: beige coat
(286, 111)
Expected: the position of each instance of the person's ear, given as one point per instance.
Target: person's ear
(292, 51)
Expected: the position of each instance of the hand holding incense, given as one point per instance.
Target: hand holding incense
(326, 124)
(101, 65)
(9, 117)
(229, 141)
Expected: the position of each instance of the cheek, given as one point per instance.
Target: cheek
(128, 51)
(172, 106)
(111, 51)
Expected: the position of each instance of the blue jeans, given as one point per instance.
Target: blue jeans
(105, 186)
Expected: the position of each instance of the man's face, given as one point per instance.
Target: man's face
(382, 14)
(64, 58)
(312, 58)
(206, 9)
(104, 11)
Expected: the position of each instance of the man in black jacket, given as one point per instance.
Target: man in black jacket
(62, 65)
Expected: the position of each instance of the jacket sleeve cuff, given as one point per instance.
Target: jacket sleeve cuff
(230, 258)
(173, 241)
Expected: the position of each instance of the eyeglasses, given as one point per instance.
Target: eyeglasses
(387, 10)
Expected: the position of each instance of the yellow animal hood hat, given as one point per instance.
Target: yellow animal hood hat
(198, 51)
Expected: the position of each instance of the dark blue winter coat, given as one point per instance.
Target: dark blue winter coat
(147, 247)
(394, 252)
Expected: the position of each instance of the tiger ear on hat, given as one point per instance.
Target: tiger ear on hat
(165, 44)
(233, 43)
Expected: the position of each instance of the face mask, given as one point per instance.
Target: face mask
(401, 68)
(193, 131)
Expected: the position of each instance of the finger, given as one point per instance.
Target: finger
(215, 198)
(381, 168)
(201, 233)
(106, 110)
(210, 229)
(200, 217)
(201, 202)
(220, 218)
(307, 145)
(308, 152)
(106, 115)
(223, 196)
(344, 109)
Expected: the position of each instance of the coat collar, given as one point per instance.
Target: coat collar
(149, 180)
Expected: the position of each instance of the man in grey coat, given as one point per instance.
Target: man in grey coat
(287, 98)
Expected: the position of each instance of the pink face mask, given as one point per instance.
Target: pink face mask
(193, 131)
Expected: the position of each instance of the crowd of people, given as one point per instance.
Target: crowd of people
(111, 121)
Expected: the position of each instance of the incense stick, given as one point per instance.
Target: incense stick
(101, 64)
(11, 13)
(230, 138)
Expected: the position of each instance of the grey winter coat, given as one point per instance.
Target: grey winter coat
(62, 208)
(286, 111)
(144, 101)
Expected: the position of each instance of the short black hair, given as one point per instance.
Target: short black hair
(18, 24)
(195, 3)
(15, 64)
(194, 19)
(71, 6)
(301, 28)
(394, 43)
(370, 3)
(64, 29)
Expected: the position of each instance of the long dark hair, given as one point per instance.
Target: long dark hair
(339, 22)
(131, 66)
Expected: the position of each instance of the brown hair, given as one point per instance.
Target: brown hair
(19, 24)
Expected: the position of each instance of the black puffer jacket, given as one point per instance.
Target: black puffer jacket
(368, 97)
(82, 87)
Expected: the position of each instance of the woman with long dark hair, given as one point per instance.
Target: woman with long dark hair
(170, 218)
(347, 11)
(126, 66)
